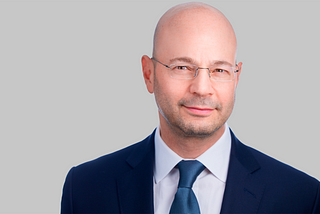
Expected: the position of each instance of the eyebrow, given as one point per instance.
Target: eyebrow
(182, 59)
(192, 61)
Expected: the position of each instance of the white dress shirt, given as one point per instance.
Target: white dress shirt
(208, 187)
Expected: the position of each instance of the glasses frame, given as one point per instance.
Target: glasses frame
(196, 73)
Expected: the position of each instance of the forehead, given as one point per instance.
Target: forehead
(199, 35)
(188, 60)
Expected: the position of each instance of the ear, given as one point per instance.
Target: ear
(148, 72)
(238, 73)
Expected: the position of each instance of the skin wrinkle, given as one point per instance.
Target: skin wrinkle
(191, 61)
(201, 35)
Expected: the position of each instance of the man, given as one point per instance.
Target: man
(193, 74)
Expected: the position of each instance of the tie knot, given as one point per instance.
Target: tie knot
(189, 171)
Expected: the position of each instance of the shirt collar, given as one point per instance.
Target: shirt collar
(215, 159)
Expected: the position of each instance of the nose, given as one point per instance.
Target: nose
(202, 84)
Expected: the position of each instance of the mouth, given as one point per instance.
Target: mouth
(199, 111)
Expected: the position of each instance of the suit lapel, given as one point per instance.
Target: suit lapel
(135, 187)
(243, 190)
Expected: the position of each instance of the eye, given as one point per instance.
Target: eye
(218, 70)
(182, 67)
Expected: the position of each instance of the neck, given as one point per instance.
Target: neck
(189, 147)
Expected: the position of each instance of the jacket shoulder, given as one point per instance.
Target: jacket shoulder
(287, 186)
(91, 187)
(118, 161)
(256, 161)
(279, 169)
(279, 187)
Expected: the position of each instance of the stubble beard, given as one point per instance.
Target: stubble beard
(189, 129)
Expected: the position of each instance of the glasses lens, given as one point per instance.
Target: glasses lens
(183, 71)
(188, 71)
(222, 73)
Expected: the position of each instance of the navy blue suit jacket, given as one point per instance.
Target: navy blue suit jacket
(122, 182)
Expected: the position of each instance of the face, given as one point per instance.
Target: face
(194, 107)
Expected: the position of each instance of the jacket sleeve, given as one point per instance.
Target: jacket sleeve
(66, 200)
(316, 207)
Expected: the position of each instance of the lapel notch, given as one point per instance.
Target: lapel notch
(243, 191)
(135, 187)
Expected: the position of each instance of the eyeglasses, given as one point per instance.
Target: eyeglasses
(187, 71)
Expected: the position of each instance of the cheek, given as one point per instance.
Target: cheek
(225, 92)
(172, 89)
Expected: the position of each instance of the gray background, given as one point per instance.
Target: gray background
(71, 87)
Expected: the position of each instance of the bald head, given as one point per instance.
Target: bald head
(191, 23)
(192, 110)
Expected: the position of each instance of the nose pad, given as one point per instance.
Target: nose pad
(202, 86)
(196, 73)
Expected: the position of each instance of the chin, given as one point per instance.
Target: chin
(192, 130)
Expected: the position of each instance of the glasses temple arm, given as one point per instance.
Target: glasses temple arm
(160, 62)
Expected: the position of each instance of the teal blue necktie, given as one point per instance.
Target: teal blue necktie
(185, 200)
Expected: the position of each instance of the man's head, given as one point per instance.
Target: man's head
(192, 33)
